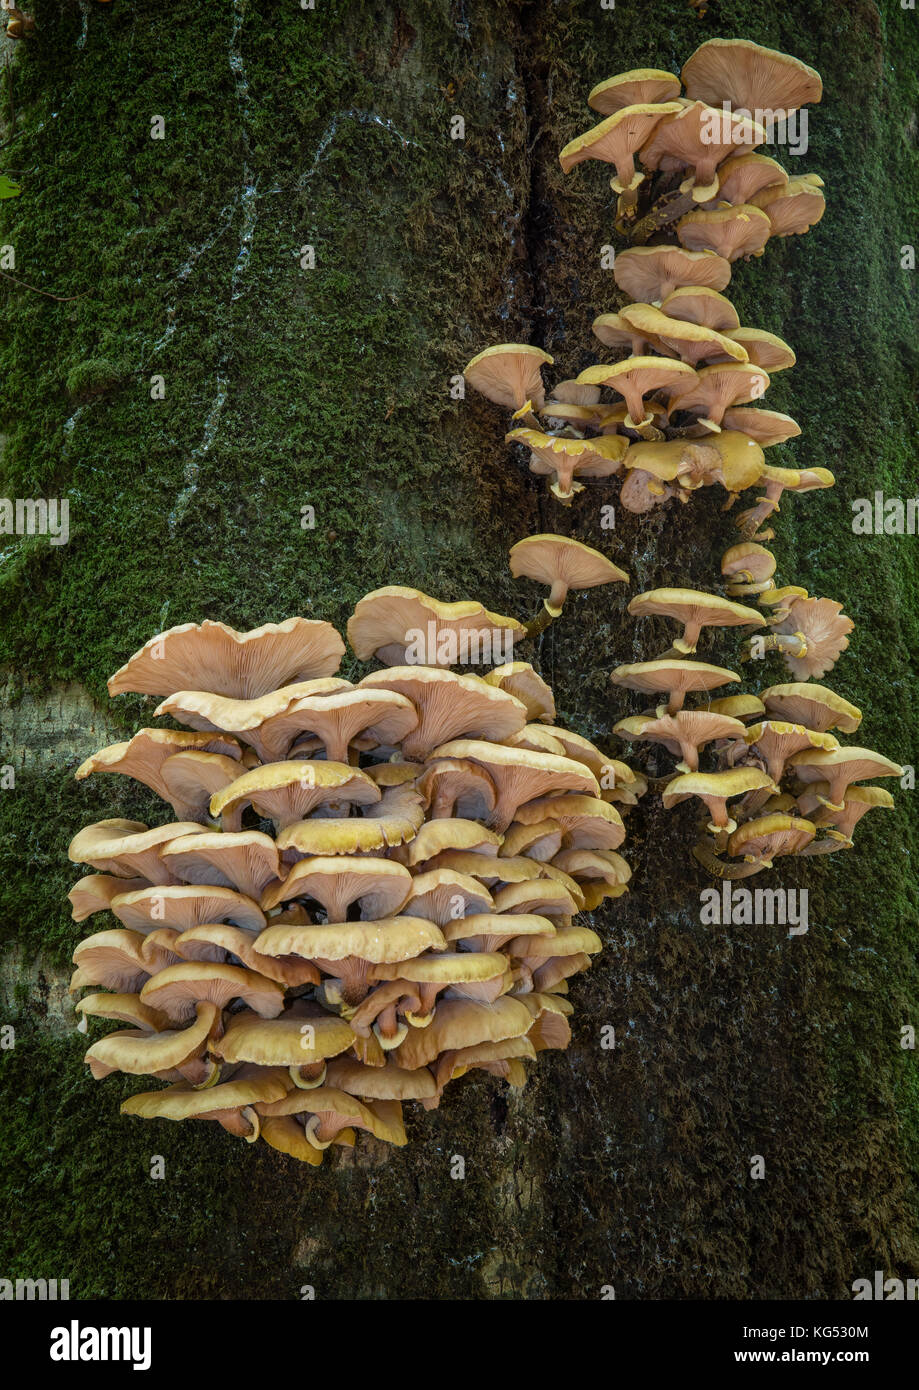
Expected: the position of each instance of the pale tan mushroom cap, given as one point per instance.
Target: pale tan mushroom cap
(812, 705)
(508, 374)
(749, 76)
(450, 705)
(637, 87)
(390, 939)
(382, 621)
(562, 563)
(650, 273)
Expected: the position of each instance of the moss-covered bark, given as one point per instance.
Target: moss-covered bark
(329, 387)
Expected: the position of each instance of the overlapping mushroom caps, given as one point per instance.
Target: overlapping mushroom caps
(366, 890)
(677, 410)
(767, 772)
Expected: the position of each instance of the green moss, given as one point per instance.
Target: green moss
(330, 387)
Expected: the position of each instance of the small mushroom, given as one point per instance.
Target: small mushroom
(509, 375)
(563, 564)
(673, 677)
(695, 610)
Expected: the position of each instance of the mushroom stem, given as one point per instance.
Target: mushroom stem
(308, 1076)
(666, 210)
(547, 614)
(794, 643)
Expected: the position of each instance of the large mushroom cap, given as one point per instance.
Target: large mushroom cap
(744, 175)
(717, 388)
(651, 273)
(634, 88)
(696, 304)
(144, 756)
(731, 232)
(449, 706)
(617, 139)
(463, 1023)
(563, 564)
(699, 137)
(379, 886)
(775, 740)
(684, 733)
(246, 861)
(749, 77)
(695, 609)
(389, 1082)
(509, 374)
(383, 622)
(812, 705)
(795, 207)
(387, 939)
(181, 1103)
(287, 791)
(244, 665)
(127, 848)
(636, 377)
(767, 837)
(178, 989)
(763, 349)
(518, 678)
(300, 1037)
(716, 789)
(137, 1051)
(840, 767)
(691, 342)
(520, 775)
(185, 905)
(673, 676)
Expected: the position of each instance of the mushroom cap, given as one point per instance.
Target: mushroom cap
(126, 1008)
(794, 208)
(383, 1120)
(763, 349)
(546, 897)
(743, 175)
(750, 77)
(738, 707)
(382, 619)
(693, 606)
(117, 960)
(246, 860)
(441, 895)
(799, 479)
(776, 740)
(692, 342)
(586, 822)
(812, 705)
(380, 886)
(337, 719)
(191, 778)
(693, 728)
(445, 968)
(748, 557)
(824, 627)
(651, 273)
(508, 374)
(451, 833)
(731, 232)
(217, 941)
(178, 989)
(847, 764)
(519, 774)
(288, 1136)
(181, 1103)
(719, 387)
(617, 139)
(389, 939)
(566, 941)
(570, 393)
(634, 88)
(455, 786)
(393, 821)
(461, 1023)
(766, 837)
(568, 459)
(653, 677)
(721, 786)
(519, 679)
(137, 1052)
(301, 1036)
(449, 706)
(696, 304)
(217, 658)
(185, 905)
(287, 791)
(143, 756)
(389, 1082)
(699, 137)
(563, 562)
(127, 848)
(637, 376)
(767, 427)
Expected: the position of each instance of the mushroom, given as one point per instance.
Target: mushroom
(794, 207)
(242, 719)
(509, 375)
(812, 705)
(766, 427)
(302, 1039)
(731, 232)
(461, 1023)
(456, 787)
(585, 822)
(518, 775)
(695, 610)
(243, 665)
(650, 274)
(378, 886)
(337, 719)
(675, 678)
(717, 388)
(566, 460)
(232, 1102)
(685, 733)
(247, 861)
(764, 839)
(563, 564)
(716, 789)
(137, 1051)
(391, 822)
(636, 377)
(617, 139)
(764, 349)
(750, 77)
(840, 767)
(126, 848)
(383, 624)
(450, 706)
(519, 679)
(691, 342)
(778, 481)
(436, 836)
(444, 895)
(744, 175)
(774, 741)
(748, 568)
(696, 304)
(285, 792)
(225, 943)
(116, 960)
(178, 990)
(742, 707)
(143, 757)
(698, 137)
(635, 88)
(840, 823)
(810, 636)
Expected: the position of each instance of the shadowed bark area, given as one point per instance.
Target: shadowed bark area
(330, 388)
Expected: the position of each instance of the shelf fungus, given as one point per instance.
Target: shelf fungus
(358, 892)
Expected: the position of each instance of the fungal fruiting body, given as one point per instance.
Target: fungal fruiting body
(366, 890)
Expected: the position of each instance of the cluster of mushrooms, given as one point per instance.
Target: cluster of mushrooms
(792, 788)
(684, 415)
(363, 890)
